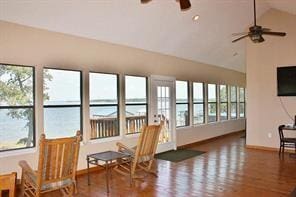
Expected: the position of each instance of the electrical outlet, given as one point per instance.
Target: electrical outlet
(269, 135)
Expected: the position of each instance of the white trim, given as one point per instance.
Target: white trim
(185, 127)
(132, 135)
(18, 152)
(102, 140)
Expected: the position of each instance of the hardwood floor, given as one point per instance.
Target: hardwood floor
(227, 169)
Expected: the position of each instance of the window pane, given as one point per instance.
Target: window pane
(61, 87)
(136, 116)
(198, 92)
(198, 113)
(181, 92)
(16, 124)
(16, 84)
(223, 93)
(212, 93)
(104, 121)
(135, 89)
(16, 128)
(182, 118)
(212, 112)
(223, 111)
(233, 97)
(102, 88)
(241, 95)
(61, 122)
(242, 110)
(233, 110)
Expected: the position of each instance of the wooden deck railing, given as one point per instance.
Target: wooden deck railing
(134, 124)
(103, 127)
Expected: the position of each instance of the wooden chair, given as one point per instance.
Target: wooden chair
(7, 182)
(56, 167)
(285, 141)
(143, 153)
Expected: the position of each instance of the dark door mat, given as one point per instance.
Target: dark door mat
(178, 155)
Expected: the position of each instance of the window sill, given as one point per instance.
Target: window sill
(132, 135)
(18, 152)
(107, 139)
(199, 125)
(184, 127)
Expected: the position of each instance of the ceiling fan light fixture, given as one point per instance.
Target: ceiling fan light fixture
(257, 38)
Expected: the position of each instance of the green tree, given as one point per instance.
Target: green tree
(16, 89)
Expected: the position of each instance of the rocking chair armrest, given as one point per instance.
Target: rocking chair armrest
(124, 147)
(26, 168)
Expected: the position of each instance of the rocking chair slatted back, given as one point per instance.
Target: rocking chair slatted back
(147, 142)
(57, 159)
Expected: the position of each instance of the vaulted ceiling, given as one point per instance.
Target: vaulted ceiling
(157, 26)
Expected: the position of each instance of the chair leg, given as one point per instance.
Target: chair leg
(22, 193)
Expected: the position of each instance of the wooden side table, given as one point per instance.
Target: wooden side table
(108, 157)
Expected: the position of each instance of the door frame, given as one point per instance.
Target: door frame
(172, 80)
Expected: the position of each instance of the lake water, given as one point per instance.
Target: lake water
(59, 122)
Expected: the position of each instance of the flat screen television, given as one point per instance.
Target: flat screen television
(286, 81)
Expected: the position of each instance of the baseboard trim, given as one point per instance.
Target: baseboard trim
(210, 139)
(265, 148)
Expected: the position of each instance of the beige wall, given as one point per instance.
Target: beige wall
(264, 111)
(29, 46)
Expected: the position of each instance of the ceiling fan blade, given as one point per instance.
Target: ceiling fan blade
(274, 33)
(145, 1)
(240, 38)
(185, 4)
(266, 29)
(239, 34)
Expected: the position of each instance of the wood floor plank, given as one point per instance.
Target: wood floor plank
(226, 169)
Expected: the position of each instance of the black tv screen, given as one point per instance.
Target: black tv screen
(286, 81)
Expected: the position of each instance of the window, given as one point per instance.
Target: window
(212, 103)
(223, 102)
(233, 102)
(104, 116)
(241, 102)
(135, 103)
(182, 104)
(62, 102)
(198, 103)
(17, 110)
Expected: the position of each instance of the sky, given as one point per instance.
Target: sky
(65, 86)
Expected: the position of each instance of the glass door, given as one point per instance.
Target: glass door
(162, 109)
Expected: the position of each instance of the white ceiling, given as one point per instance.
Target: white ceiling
(157, 26)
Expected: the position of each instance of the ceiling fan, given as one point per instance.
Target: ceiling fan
(184, 4)
(256, 31)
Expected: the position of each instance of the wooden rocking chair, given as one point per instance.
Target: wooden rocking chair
(56, 167)
(8, 182)
(142, 154)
